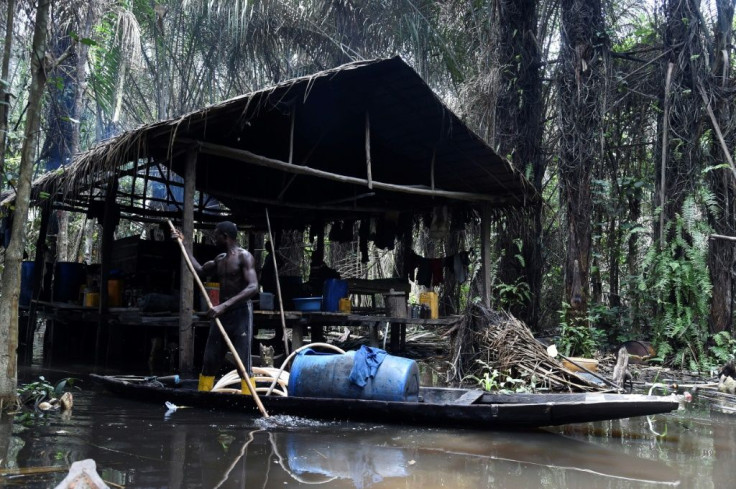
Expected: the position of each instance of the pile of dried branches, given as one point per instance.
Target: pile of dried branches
(487, 339)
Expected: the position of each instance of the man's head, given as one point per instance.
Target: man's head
(226, 229)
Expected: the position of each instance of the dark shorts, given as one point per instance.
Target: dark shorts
(238, 324)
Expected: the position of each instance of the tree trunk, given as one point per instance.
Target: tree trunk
(721, 257)
(583, 56)
(4, 85)
(682, 124)
(14, 253)
(517, 132)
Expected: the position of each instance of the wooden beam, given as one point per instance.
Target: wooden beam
(186, 284)
(301, 205)
(252, 158)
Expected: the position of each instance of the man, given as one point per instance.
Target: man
(236, 273)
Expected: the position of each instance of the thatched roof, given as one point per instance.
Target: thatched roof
(415, 141)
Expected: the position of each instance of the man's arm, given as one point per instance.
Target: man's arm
(202, 270)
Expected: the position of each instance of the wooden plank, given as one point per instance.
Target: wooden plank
(469, 397)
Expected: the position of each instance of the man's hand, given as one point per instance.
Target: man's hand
(176, 234)
(216, 311)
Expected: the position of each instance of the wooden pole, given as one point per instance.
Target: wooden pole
(229, 343)
(485, 249)
(254, 159)
(431, 170)
(721, 236)
(717, 128)
(109, 223)
(186, 285)
(278, 283)
(368, 149)
(291, 136)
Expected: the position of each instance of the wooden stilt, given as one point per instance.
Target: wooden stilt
(186, 286)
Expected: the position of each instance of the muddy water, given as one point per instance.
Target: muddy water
(140, 445)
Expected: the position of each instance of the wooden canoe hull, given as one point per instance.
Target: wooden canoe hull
(438, 407)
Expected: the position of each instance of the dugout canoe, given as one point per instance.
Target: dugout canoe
(436, 406)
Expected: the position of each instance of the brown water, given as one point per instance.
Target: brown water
(139, 445)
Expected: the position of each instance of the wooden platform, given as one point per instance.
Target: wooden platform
(73, 330)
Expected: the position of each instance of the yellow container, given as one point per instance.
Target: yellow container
(91, 299)
(431, 299)
(345, 305)
(574, 364)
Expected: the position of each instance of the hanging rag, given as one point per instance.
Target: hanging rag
(363, 235)
(424, 272)
(460, 266)
(437, 266)
(365, 364)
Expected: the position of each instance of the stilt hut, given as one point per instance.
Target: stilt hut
(366, 140)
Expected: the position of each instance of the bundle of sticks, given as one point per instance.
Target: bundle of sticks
(488, 339)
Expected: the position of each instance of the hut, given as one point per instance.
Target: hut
(364, 141)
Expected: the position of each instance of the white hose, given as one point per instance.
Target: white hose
(262, 374)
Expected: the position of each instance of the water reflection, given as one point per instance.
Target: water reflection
(312, 459)
(136, 445)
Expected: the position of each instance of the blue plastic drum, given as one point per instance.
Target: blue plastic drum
(326, 375)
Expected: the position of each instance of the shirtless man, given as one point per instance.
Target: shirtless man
(236, 273)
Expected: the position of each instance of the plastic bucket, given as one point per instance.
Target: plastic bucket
(396, 304)
(26, 283)
(115, 293)
(213, 292)
(333, 290)
(68, 278)
(326, 375)
(91, 299)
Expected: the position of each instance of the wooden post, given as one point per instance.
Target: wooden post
(278, 284)
(368, 149)
(186, 285)
(109, 223)
(485, 247)
(431, 169)
(291, 136)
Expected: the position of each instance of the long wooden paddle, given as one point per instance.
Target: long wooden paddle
(241, 367)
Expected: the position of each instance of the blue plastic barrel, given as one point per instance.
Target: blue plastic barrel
(26, 283)
(68, 278)
(333, 290)
(326, 375)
